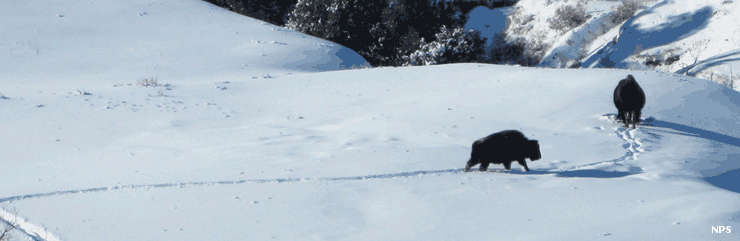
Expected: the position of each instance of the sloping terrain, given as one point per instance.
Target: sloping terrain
(367, 154)
(338, 155)
(100, 43)
(695, 38)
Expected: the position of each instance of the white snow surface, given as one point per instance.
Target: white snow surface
(58, 42)
(702, 36)
(281, 153)
(489, 22)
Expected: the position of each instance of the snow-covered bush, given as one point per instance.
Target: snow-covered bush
(519, 22)
(568, 17)
(384, 32)
(624, 11)
(364, 26)
(320, 18)
(451, 45)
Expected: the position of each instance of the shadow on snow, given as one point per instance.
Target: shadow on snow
(586, 173)
(700, 66)
(680, 129)
(728, 180)
(632, 39)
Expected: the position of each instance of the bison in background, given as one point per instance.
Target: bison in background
(503, 148)
(629, 100)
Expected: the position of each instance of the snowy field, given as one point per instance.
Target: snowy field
(255, 136)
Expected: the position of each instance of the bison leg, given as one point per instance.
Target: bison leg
(507, 165)
(620, 115)
(627, 118)
(470, 164)
(524, 164)
(636, 117)
(484, 166)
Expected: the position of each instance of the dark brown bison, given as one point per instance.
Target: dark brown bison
(503, 148)
(629, 100)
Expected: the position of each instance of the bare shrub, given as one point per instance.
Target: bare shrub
(520, 22)
(568, 17)
(522, 51)
(150, 82)
(5, 233)
(624, 11)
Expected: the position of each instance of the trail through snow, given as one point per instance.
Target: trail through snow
(632, 146)
(252, 135)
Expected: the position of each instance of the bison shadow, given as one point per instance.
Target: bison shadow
(728, 180)
(680, 129)
(584, 173)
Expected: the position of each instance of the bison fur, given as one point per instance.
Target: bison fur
(503, 148)
(629, 100)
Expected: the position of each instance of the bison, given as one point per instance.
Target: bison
(503, 147)
(629, 100)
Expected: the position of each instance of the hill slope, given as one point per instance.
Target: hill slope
(105, 42)
(696, 38)
(337, 155)
(369, 154)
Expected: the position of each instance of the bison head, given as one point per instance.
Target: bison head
(533, 150)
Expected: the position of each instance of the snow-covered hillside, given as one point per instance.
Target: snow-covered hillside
(61, 42)
(697, 38)
(373, 154)
(284, 151)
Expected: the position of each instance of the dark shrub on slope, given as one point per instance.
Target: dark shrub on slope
(272, 11)
(385, 32)
(450, 45)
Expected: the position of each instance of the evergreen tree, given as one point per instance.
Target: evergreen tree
(451, 45)
(273, 11)
(384, 32)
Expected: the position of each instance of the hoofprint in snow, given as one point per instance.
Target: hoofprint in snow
(362, 151)
(135, 139)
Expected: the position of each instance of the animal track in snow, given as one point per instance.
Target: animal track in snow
(231, 182)
(38, 233)
(632, 144)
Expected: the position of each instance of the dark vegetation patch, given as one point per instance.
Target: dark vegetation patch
(384, 32)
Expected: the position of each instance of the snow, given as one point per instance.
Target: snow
(103, 42)
(703, 33)
(489, 22)
(293, 151)
(702, 37)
